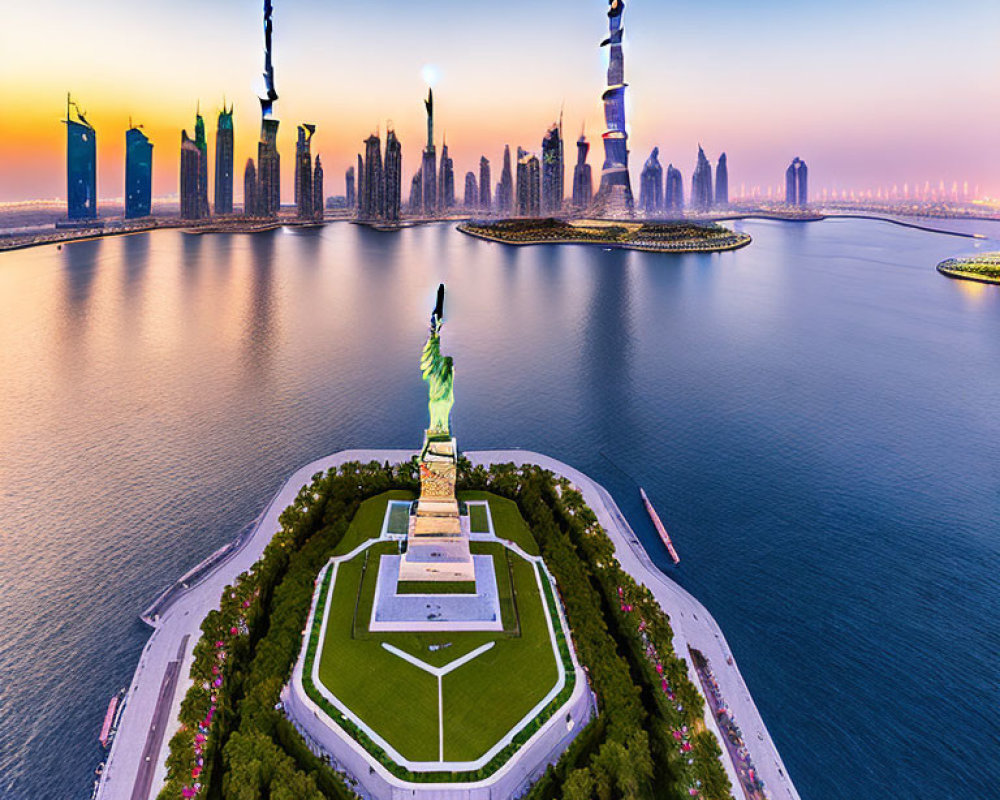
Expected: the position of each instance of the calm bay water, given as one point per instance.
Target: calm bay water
(815, 416)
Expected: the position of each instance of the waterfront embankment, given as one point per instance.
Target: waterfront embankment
(983, 267)
(650, 237)
(136, 768)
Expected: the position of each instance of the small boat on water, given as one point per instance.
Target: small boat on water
(111, 718)
(664, 536)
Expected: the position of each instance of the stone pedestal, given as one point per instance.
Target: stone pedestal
(437, 545)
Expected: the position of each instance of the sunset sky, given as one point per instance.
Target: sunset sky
(868, 92)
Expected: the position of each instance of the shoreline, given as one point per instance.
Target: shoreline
(177, 629)
(725, 243)
(952, 268)
(13, 242)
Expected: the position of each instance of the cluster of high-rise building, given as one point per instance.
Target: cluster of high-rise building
(661, 191)
(379, 187)
(81, 168)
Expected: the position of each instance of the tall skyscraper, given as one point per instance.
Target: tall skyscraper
(138, 173)
(505, 188)
(201, 142)
(373, 186)
(268, 200)
(224, 162)
(304, 172)
(701, 183)
(81, 165)
(484, 184)
(673, 195)
(722, 182)
(446, 181)
(268, 169)
(416, 203)
(349, 194)
(318, 200)
(471, 191)
(651, 184)
(615, 194)
(361, 181)
(393, 175)
(528, 184)
(797, 183)
(191, 207)
(583, 184)
(552, 171)
(249, 189)
(428, 171)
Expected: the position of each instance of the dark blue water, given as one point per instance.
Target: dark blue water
(816, 416)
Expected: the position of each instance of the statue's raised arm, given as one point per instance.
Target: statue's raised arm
(438, 371)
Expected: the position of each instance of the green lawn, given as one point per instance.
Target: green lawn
(367, 522)
(398, 699)
(478, 519)
(508, 679)
(436, 587)
(392, 696)
(507, 520)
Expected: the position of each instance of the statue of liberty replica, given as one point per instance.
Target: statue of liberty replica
(437, 546)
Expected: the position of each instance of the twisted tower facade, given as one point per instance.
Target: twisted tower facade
(615, 193)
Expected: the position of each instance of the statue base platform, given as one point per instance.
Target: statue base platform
(437, 543)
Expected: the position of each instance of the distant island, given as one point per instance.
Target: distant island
(665, 237)
(984, 267)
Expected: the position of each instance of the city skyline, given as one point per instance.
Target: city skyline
(858, 127)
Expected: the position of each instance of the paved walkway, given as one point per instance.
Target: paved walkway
(691, 622)
(183, 618)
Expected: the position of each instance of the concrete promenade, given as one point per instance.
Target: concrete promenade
(691, 622)
(183, 618)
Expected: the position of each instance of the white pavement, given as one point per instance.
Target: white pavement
(184, 616)
(691, 622)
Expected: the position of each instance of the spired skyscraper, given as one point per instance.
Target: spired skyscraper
(528, 180)
(372, 183)
(304, 195)
(428, 169)
(393, 175)
(722, 182)
(268, 169)
(318, 201)
(224, 162)
(201, 142)
(505, 188)
(484, 184)
(797, 183)
(191, 207)
(138, 173)
(81, 165)
(552, 171)
(701, 183)
(446, 181)
(583, 184)
(651, 184)
(615, 194)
